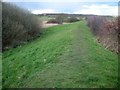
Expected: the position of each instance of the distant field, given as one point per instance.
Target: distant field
(66, 56)
(44, 18)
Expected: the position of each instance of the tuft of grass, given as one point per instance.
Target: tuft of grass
(66, 56)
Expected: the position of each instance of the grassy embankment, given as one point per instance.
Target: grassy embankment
(64, 56)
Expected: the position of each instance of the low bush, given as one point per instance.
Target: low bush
(18, 26)
(52, 21)
(71, 19)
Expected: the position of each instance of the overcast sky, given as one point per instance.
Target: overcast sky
(73, 6)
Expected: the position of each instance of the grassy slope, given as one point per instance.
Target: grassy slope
(65, 56)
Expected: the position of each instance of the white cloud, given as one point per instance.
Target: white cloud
(98, 10)
(40, 11)
(85, 9)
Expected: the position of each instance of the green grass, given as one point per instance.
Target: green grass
(66, 56)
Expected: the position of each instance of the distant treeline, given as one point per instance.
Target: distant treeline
(61, 19)
(18, 26)
(68, 15)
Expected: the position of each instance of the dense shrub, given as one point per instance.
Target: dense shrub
(0, 26)
(71, 19)
(96, 23)
(18, 26)
(105, 30)
(112, 31)
(112, 26)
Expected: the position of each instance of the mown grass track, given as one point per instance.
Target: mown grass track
(66, 56)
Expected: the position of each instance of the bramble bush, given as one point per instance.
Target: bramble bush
(96, 23)
(105, 30)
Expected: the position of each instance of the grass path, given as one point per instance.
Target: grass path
(65, 56)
